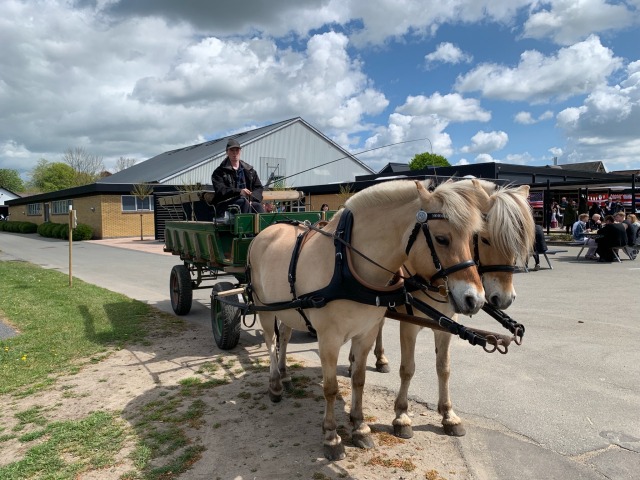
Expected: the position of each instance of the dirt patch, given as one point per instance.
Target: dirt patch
(237, 432)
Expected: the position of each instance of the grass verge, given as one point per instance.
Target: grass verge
(60, 326)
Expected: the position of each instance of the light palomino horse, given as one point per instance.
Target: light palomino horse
(384, 218)
(506, 239)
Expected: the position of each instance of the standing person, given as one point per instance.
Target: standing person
(237, 183)
(569, 218)
(324, 207)
(595, 208)
(554, 215)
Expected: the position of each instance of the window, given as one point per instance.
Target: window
(131, 203)
(34, 209)
(60, 207)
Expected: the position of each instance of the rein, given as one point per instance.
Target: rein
(436, 320)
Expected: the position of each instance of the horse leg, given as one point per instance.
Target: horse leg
(402, 423)
(268, 322)
(382, 364)
(332, 443)
(360, 347)
(450, 421)
(285, 336)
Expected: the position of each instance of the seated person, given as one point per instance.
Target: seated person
(612, 235)
(578, 234)
(540, 246)
(633, 230)
(595, 223)
(579, 227)
(236, 183)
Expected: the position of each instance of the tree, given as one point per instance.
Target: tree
(86, 165)
(49, 177)
(142, 191)
(10, 179)
(426, 159)
(123, 163)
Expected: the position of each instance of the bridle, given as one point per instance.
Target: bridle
(422, 224)
(482, 269)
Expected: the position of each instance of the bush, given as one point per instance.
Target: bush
(18, 227)
(61, 231)
(82, 232)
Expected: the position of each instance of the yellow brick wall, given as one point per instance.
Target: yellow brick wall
(103, 213)
(116, 223)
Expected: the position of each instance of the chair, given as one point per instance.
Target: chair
(632, 252)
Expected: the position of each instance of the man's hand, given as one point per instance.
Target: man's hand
(245, 192)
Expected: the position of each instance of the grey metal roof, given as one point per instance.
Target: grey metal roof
(167, 164)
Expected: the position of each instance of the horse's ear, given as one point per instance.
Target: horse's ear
(422, 191)
(484, 199)
(523, 190)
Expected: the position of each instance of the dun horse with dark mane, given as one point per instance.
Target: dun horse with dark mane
(350, 274)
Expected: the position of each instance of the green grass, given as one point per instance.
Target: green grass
(90, 443)
(60, 326)
(63, 329)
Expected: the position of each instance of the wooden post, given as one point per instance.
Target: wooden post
(141, 231)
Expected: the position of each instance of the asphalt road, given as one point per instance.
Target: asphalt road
(565, 404)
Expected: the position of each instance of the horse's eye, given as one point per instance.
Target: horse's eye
(485, 241)
(442, 240)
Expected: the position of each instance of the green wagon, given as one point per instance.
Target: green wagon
(214, 255)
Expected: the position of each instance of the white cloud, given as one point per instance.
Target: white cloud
(447, 52)
(67, 80)
(453, 107)
(607, 125)
(571, 71)
(485, 158)
(485, 142)
(525, 118)
(555, 151)
(569, 21)
(427, 130)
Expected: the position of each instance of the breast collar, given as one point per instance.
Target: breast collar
(345, 284)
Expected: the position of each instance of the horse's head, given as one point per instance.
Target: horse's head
(441, 253)
(505, 240)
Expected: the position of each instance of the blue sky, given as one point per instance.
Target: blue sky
(510, 81)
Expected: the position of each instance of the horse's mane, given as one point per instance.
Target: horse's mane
(383, 194)
(460, 205)
(509, 222)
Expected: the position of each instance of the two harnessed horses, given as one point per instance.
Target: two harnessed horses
(380, 230)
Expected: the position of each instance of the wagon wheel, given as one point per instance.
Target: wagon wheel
(180, 289)
(225, 319)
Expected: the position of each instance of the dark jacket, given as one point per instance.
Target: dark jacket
(613, 235)
(225, 181)
(540, 245)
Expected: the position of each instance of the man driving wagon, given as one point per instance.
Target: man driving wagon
(236, 183)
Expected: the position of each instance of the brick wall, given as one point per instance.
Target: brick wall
(103, 213)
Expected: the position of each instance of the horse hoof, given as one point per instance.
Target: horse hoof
(275, 398)
(455, 430)
(403, 431)
(288, 386)
(382, 367)
(362, 441)
(334, 452)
